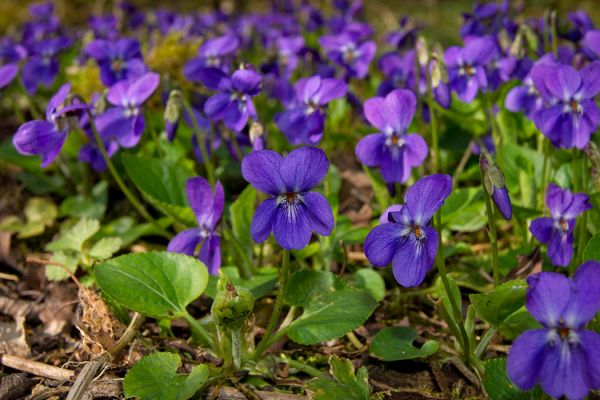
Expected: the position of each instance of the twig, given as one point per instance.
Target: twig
(36, 368)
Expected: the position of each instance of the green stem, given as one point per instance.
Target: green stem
(485, 341)
(312, 371)
(113, 171)
(155, 138)
(492, 234)
(545, 171)
(582, 228)
(198, 331)
(236, 348)
(210, 169)
(493, 124)
(441, 266)
(283, 277)
(433, 119)
(554, 39)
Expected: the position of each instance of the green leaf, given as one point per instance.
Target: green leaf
(592, 249)
(162, 184)
(155, 377)
(498, 386)
(58, 273)
(517, 323)
(371, 281)
(261, 283)
(396, 343)
(93, 206)
(331, 315)
(241, 211)
(346, 384)
(464, 210)
(105, 248)
(499, 304)
(305, 285)
(40, 210)
(74, 238)
(156, 284)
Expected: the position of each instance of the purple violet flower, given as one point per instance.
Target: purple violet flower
(211, 54)
(582, 23)
(104, 26)
(591, 44)
(467, 67)
(292, 211)
(570, 115)
(346, 50)
(233, 104)
(46, 138)
(118, 59)
(208, 208)
(303, 122)
(557, 230)
(407, 241)
(125, 121)
(562, 356)
(391, 149)
(493, 180)
(10, 56)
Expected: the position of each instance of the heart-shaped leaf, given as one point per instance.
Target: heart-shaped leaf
(156, 284)
(396, 343)
(155, 377)
(331, 315)
(499, 304)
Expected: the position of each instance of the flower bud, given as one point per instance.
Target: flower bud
(257, 139)
(232, 305)
(439, 73)
(174, 107)
(421, 49)
(495, 185)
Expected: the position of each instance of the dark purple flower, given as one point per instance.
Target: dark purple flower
(233, 104)
(211, 54)
(562, 356)
(104, 26)
(467, 67)
(344, 49)
(407, 241)
(118, 59)
(524, 98)
(582, 23)
(404, 36)
(570, 115)
(46, 138)
(208, 208)
(391, 148)
(557, 230)
(303, 123)
(292, 212)
(125, 121)
(42, 66)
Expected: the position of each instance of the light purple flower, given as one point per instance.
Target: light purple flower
(391, 149)
(570, 115)
(46, 138)
(467, 67)
(208, 208)
(303, 123)
(212, 53)
(292, 211)
(562, 356)
(557, 230)
(233, 104)
(407, 241)
(591, 44)
(125, 121)
(10, 56)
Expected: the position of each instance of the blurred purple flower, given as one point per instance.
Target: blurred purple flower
(408, 242)
(557, 230)
(591, 44)
(10, 56)
(125, 122)
(562, 356)
(303, 122)
(346, 50)
(208, 208)
(233, 104)
(582, 23)
(104, 26)
(292, 211)
(118, 59)
(570, 115)
(211, 54)
(42, 66)
(391, 149)
(46, 138)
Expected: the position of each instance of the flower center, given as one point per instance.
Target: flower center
(311, 107)
(416, 229)
(212, 61)
(563, 332)
(349, 54)
(117, 65)
(564, 225)
(575, 107)
(291, 197)
(468, 70)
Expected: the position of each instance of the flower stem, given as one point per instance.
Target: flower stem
(545, 170)
(198, 331)
(492, 234)
(236, 348)
(433, 120)
(441, 265)
(113, 171)
(312, 371)
(210, 169)
(283, 277)
(582, 227)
